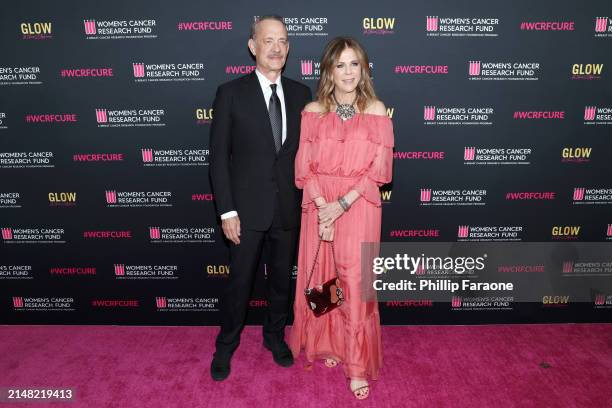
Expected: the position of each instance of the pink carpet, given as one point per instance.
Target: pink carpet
(557, 365)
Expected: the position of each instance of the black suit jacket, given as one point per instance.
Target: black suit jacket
(245, 170)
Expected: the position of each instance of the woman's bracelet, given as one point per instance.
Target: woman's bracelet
(343, 203)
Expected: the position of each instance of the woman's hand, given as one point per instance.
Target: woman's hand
(326, 233)
(330, 213)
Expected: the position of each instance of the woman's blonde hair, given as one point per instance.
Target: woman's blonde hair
(331, 55)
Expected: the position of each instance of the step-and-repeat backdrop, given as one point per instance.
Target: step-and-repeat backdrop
(503, 128)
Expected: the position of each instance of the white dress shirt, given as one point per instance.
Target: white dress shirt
(267, 91)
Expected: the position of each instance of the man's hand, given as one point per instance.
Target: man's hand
(231, 229)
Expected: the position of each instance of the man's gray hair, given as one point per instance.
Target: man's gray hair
(266, 17)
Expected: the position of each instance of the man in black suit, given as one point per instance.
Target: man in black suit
(253, 141)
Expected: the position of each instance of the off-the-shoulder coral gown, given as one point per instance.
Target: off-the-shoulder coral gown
(334, 157)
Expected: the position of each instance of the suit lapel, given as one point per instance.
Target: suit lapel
(291, 114)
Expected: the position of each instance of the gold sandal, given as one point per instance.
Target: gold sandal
(362, 392)
(330, 363)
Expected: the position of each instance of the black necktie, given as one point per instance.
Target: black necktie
(276, 118)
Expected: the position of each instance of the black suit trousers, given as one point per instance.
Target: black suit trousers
(280, 245)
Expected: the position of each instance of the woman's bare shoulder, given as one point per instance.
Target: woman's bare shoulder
(377, 107)
(313, 107)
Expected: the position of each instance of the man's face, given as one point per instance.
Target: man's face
(270, 45)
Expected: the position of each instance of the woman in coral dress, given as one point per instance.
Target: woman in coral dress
(345, 154)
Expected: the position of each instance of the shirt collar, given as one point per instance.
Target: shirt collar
(265, 82)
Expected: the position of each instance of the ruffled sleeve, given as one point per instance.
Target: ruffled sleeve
(305, 176)
(380, 170)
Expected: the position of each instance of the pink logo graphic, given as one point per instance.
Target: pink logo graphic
(161, 302)
(90, 27)
(154, 233)
(147, 155)
(429, 113)
(139, 70)
(469, 153)
(101, 116)
(306, 67)
(609, 232)
(578, 194)
(119, 269)
(426, 194)
(463, 231)
(111, 197)
(17, 301)
(600, 300)
(474, 68)
(601, 24)
(432, 23)
(456, 302)
(589, 112)
(7, 233)
(568, 267)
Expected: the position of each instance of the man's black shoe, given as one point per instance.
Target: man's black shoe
(220, 368)
(281, 353)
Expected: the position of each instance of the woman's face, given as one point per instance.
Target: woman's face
(346, 74)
